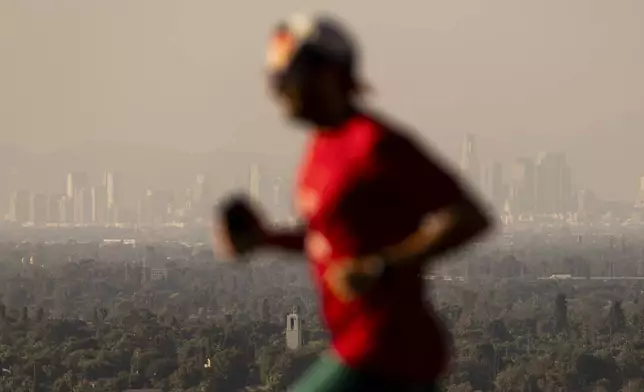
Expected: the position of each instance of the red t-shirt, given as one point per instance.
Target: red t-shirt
(362, 187)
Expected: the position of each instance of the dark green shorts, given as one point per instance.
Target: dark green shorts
(328, 374)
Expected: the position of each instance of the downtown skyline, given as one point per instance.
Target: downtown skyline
(530, 186)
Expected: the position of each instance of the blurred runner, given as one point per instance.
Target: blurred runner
(376, 209)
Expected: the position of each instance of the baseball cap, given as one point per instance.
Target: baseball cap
(303, 39)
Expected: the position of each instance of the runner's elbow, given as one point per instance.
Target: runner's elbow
(474, 222)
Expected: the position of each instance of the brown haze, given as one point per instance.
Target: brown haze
(523, 75)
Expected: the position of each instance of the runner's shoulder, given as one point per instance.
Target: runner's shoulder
(389, 135)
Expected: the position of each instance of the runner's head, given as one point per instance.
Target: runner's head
(312, 69)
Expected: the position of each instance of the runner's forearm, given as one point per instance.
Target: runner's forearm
(444, 231)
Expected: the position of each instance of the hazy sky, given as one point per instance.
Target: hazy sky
(523, 75)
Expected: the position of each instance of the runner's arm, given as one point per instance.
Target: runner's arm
(442, 231)
(449, 217)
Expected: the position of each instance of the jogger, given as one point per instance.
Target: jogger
(375, 208)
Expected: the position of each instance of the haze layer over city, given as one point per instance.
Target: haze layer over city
(123, 124)
(158, 75)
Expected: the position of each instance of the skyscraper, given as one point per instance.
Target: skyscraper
(100, 211)
(82, 202)
(494, 187)
(67, 209)
(76, 181)
(553, 184)
(277, 189)
(639, 202)
(470, 161)
(522, 185)
(112, 184)
(39, 209)
(55, 208)
(20, 208)
(78, 194)
(254, 179)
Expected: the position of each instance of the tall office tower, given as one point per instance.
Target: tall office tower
(82, 202)
(522, 185)
(553, 184)
(76, 181)
(61, 205)
(78, 193)
(100, 211)
(254, 180)
(639, 202)
(20, 208)
(277, 191)
(39, 213)
(55, 209)
(494, 187)
(113, 190)
(470, 161)
(67, 209)
(280, 206)
(144, 209)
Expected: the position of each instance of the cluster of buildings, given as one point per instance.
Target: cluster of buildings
(539, 185)
(531, 189)
(534, 188)
(104, 202)
(80, 203)
(639, 202)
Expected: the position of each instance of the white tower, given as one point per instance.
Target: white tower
(277, 185)
(254, 182)
(113, 187)
(470, 161)
(639, 203)
(294, 338)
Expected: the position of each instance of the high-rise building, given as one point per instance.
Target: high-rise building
(254, 179)
(82, 202)
(79, 196)
(522, 185)
(100, 211)
(113, 190)
(76, 181)
(20, 208)
(277, 191)
(553, 184)
(66, 209)
(470, 161)
(55, 209)
(39, 209)
(494, 187)
(639, 202)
